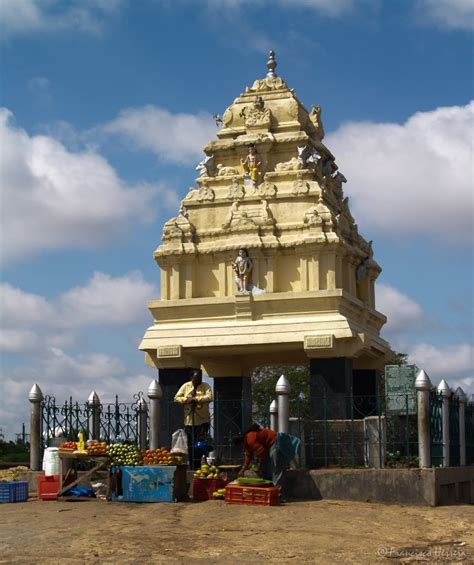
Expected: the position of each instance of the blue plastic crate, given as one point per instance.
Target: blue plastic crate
(16, 491)
(21, 493)
(7, 492)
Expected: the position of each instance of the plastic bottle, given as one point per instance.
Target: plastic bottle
(81, 446)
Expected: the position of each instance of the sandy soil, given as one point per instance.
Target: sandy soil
(215, 532)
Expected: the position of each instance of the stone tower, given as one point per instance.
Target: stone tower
(310, 293)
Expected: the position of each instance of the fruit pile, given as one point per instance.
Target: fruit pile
(219, 494)
(97, 448)
(123, 454)
(68, 445)
(159, 456)
(207, 472)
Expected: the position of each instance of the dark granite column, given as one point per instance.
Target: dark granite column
(171, 416)
(365, 387)
(330, 388)
(232, 414)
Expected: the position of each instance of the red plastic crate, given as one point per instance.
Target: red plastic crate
(203, 488)
(238, 494)
(48, 487)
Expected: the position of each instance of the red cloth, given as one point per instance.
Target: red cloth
(259, 443)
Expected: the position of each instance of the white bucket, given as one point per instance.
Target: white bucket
(51, 461)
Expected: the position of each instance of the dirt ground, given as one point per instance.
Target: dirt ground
(215, 532)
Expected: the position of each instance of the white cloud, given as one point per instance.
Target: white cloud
(454, 362)
(402, 312)
(29, 321)
(414, 178)
(108, 300)
(84, 16)
(53, 198)
(332, 8)
(449, 14)
(173, 137)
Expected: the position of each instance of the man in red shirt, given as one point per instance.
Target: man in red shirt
(274, 452)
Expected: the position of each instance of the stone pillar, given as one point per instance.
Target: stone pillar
(269, 275)
(330, 388)
(94, 415)
(445, 391)
(164, 275)
(171, 417)
(330, 270)
(142, 423)
(423, 387)
(283, 389)
(155, 394)
(461, 396)
(35, 397)
(274, 416)
(174, 283)
(304, 273)
(232, 413)
(314, 272)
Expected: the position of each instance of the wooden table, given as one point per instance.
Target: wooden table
(68, 464)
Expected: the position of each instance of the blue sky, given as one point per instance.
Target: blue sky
(105, 108)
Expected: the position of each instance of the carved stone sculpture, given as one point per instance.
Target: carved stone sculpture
(292, 165)
(226, 171)
(206, 166)
(315, 117)
(242, 268)
(251, 164)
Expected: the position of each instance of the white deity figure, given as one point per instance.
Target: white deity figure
(242, 267)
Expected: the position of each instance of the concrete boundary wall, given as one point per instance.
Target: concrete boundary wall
(431, 487)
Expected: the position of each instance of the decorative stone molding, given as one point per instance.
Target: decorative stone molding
(227, 117)
(300, 186)
(266, 189)
(318, 341)
(168, 351)
(268, 83)
(312, 218)
(205, 193)
(179, 228)
(236, 191)
(258, 116)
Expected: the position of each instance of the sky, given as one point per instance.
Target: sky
(105, 106)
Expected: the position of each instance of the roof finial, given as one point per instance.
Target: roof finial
(271, 64)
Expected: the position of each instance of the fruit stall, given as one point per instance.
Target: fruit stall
(152, 475)
(128, 474)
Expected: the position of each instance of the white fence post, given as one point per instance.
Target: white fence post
(445, 391)
(142, 422)
(283, 389)
(155, 394)
(461, 396)
(274, 416)
(94, 415)
(423, 386)
(35, 397)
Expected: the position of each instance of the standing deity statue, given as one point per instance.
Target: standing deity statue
(242, 267)
(251, 164)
